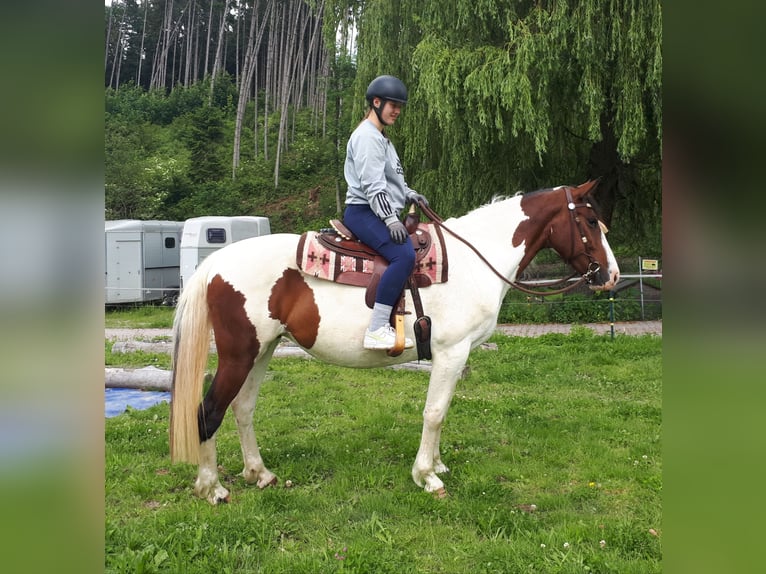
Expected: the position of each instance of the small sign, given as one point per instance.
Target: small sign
(649, 264)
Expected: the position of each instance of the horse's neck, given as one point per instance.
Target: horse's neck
(490, 230)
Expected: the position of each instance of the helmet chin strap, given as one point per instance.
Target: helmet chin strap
(378, 112)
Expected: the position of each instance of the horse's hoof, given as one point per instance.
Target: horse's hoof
(440, 493)
(225, 500)
(267, 482)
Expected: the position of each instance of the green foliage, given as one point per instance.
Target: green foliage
(569, 423)
(520, 96)
(503, 97)
(576, 308)
(139, 317)
(169, 157)
(203, 133)
(135, 359)
(134, 103)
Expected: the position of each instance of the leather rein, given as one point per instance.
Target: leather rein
(593, 266)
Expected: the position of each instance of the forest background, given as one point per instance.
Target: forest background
(229, 107)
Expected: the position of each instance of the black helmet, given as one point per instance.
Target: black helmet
(387, 88)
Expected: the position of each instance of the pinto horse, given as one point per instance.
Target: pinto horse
(252, 294)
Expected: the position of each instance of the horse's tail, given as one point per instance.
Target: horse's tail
(191, 336)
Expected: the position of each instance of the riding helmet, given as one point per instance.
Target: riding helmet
(387, 88)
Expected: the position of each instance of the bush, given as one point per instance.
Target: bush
(577, 308)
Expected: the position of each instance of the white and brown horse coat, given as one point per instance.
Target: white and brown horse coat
(251, 294)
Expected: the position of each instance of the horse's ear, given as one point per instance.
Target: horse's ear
(588, 186)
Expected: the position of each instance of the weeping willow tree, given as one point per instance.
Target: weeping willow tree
(510, 95)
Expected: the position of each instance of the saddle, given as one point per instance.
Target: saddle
(337, 255)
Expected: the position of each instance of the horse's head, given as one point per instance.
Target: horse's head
(579, 236)
(575, 231)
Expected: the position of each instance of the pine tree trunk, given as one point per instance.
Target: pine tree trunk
(207, 41)
(285, 83)
(270, 70)
(217, 62)
(253, 45)
(189, 45)
(141, 55)
(108, 36)
(255, 111)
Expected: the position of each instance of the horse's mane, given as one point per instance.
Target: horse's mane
(540, 191)
(500, 198)
(591, 198)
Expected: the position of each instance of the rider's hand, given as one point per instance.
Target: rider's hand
(418, 198)
(398, 231)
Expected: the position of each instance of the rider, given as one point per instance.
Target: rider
(377, 193)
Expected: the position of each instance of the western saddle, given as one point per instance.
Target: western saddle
(367, 267)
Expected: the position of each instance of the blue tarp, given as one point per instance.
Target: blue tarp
(117, 400)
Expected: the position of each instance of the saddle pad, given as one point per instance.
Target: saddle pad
(317, 260)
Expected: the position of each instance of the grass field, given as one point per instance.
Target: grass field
(139, 317)
(554, 446)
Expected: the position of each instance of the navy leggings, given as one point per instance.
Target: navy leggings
(368, 227)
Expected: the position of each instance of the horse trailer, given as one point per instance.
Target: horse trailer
(204, 235)
(142, 260)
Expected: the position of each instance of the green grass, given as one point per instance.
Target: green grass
(139, 317)
(569, 423)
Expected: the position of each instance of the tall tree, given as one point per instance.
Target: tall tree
(248, 70)
(519, 95)
(218, 60)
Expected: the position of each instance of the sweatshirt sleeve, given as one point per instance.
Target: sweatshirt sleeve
(370, 162)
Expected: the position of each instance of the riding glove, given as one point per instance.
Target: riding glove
(417, 198)
(398, 231)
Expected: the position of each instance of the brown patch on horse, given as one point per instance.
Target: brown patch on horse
(234, 333)
(529, 230)
(237, 344)
(292, 303)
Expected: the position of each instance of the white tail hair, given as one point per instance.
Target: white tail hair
(191, 337)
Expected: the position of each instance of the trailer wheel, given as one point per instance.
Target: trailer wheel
(170, 299)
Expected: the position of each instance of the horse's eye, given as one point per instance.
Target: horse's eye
(593, 222)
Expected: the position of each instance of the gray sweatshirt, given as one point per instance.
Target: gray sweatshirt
(374, 173)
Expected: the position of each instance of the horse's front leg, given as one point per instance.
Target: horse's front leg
(243, 406)
(207, 485)
(439, 466)
(445, 372)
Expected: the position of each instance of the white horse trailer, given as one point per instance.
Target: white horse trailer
(142, 260)
(203, 235)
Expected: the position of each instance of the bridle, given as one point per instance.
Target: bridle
(593, 266)
(587, 277)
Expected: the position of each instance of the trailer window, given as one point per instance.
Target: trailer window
(170, 242)
(216, 235)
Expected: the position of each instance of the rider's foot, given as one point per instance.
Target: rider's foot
(383, 338)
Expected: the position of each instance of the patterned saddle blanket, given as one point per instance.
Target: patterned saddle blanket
(341, 258)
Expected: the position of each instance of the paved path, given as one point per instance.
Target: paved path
(525, 330)
(627, 328)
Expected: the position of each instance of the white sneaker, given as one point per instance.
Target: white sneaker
(383, 338)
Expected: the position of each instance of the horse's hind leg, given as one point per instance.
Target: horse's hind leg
(234, 365)
(243, 407)
(207, 485)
